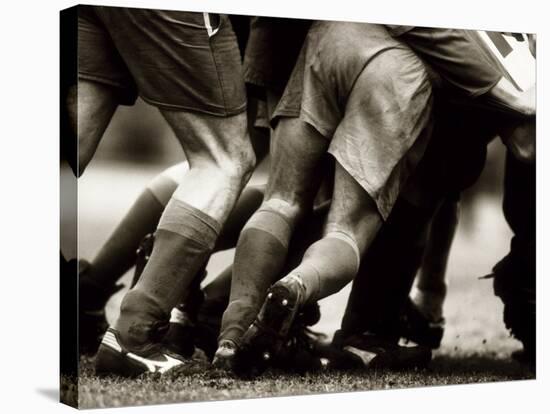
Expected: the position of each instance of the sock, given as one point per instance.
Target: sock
(194, 296)
(118, 254)
(259, 260)
(184, 240)
(328, 265)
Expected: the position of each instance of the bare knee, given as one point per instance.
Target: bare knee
(239, 165)
(220, 146)
(228, 170)
(96, 106)
(353, 211)
(362, 228)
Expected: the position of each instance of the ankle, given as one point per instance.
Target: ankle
(429, 303)
(295, 284)
(141, 323)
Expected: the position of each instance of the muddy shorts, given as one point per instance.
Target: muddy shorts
(174, 60)
(371, 96)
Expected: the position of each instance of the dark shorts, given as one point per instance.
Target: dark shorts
(371, 96)
(174, 60)
(454, 54)
(272, 49)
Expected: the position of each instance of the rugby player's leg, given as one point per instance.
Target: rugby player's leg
(198, 88)
(198, 327)
(515, 274)
(327, 266)
(220, 163)
(203, 329)
(371, 325)
(216, 292)
(103, 83)
(263, 244)
(195, 322)
(118, 254)
(332, 262)
(97, 280)
(422, 318)
(390, 265)
(91, 107)
(431, 285)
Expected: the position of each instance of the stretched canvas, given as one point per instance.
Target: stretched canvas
(257, 206)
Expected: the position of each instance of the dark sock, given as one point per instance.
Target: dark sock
(259, 260)
(184, 240)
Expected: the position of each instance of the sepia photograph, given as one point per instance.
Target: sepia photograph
(263, 206)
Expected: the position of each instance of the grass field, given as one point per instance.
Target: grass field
(204, 384)
(475, 347)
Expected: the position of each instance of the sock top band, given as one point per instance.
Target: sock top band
(350, 241)
(190, 222)
(271, 222)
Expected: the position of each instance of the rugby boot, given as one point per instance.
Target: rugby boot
(113, 358)
(418, 328)
(181, 335)
(372, 351)
(224, 358)
(269, 331)
(92, 322)
(303, 351)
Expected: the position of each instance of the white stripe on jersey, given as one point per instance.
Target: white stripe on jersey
(519, 63)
